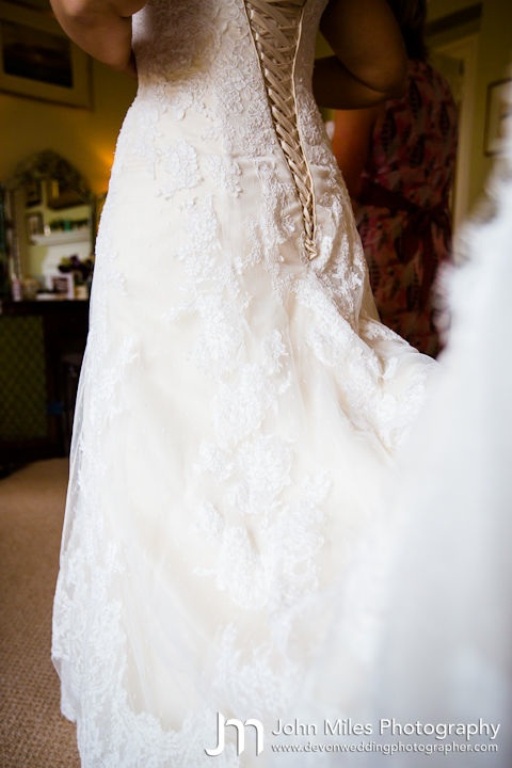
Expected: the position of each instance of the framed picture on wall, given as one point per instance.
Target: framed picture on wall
(38, 61)
(498, 118)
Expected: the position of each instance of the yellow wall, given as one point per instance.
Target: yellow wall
(85, 137)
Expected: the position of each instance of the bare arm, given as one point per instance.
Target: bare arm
(102, 28)
(369, 59)
(351, 144)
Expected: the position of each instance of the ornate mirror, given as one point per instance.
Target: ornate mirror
(51, 213)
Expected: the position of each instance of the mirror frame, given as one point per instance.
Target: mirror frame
(65, 188)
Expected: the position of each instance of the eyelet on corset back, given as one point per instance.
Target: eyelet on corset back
(276, 27)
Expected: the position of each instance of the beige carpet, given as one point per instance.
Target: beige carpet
(33, 734)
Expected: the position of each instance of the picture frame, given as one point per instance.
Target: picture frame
(498, 117)
(63, 286)
(38, 61)
(35, 224)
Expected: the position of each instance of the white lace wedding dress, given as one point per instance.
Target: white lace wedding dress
(239, 404)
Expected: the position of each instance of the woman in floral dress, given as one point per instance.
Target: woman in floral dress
(398, 160)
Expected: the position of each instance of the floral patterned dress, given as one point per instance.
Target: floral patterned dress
(403, 212)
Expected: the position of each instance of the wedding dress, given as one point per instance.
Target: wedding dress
(239, 405)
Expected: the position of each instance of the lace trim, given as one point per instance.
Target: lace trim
(276, 27)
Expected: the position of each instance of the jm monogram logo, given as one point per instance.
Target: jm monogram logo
(240, 726)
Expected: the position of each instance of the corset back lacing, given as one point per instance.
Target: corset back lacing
(276, 29)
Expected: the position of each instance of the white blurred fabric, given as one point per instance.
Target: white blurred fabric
(431, 603)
